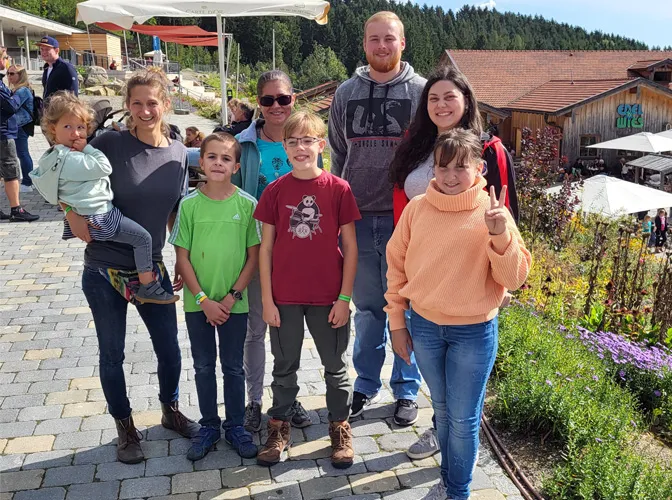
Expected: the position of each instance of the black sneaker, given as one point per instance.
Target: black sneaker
(406, 412)
(22, 215)
(4, 216)
(300, 419)
(253, 417)
(360, 402)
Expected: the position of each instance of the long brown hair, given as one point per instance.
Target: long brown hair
(418, 143)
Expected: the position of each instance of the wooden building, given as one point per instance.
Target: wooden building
(76, 49)
(590, 96)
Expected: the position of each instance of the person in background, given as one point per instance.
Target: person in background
(58, 74)
(18, 82)
(194, 137)
(367, 121)
(661, 229)
(243, 112)
(10, 167)
(113, 65)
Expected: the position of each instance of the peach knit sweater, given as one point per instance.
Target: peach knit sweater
(442, 259)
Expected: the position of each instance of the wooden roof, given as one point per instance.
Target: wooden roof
(558, 94)
(500, 77)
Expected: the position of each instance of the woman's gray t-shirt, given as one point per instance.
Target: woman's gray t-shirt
(418, 180)
(148, 183)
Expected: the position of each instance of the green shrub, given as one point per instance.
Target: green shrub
(548, 382)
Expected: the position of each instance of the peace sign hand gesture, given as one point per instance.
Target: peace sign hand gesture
(495, 218)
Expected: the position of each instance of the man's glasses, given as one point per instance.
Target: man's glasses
(305, 141)
(268, 100)
(12, 73)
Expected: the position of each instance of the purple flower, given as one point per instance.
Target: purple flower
(530, 353)
(598, 440)
(657, 393)
(562, 328)
(558, 374)
(569, 336)
(548, 382)
(596, 378)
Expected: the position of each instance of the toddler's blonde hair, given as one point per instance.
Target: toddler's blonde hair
(60, 104)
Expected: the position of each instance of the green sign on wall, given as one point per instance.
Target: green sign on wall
(630, 116)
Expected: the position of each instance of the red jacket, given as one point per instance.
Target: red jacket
(499, 173)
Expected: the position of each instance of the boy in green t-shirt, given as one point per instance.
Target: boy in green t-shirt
(217, 244)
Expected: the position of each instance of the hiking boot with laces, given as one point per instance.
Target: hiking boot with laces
(155, 294)
(300, 419)
(342, 453)
(426, 446)
(406, 412)
(438, 492)
(253, 417)
(241, 441)
(175, 420)
(279, 439)
(201, 445)
(128, 443)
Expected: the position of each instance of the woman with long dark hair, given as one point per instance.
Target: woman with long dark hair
(447, 102)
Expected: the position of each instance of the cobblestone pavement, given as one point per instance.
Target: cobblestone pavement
(57, 442)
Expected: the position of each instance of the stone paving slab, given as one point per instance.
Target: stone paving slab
(57, 440)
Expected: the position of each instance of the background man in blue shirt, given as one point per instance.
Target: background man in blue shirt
(58, 74)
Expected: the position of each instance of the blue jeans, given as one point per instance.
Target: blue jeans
(109, 315)
(456, 362)
(24, 157)
(132, 233)
(203, 349)
(373, 233)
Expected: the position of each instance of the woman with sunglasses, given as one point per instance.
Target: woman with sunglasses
(264, 160)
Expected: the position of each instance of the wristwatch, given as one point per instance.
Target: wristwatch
(236, 294)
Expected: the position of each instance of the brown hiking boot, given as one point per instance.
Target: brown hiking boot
(128, 444)
(175, 420)
(279, 439)
(342, 453)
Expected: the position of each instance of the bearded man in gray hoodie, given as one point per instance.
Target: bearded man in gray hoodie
(368, 117)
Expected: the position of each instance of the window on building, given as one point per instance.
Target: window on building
(588, 140)
(662, 76)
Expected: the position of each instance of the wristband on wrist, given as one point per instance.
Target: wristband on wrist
(344, 298)
(67, 209)
(200, 297)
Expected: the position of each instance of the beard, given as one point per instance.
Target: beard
(383, 65)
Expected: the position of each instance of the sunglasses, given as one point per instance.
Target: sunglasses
(268, 100)
(12, 73)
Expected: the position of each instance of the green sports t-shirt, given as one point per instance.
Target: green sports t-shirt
(217, 234)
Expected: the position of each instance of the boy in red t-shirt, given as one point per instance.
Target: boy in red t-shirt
(305, 277)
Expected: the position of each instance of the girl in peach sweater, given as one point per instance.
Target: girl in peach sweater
(453, 255)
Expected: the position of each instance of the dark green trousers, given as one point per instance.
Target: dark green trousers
(331, 344)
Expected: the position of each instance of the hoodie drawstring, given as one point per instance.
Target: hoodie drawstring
(369, 111)
(387, 89)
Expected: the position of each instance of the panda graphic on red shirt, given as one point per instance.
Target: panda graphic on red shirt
(304, 220)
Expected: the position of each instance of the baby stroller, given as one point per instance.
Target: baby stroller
(102, 112)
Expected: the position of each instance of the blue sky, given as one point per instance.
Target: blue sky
(649, 21)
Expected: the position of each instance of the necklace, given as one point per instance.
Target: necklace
(134, 133)
(263, 131)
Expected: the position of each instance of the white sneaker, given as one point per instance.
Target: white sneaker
(25, 189)
(438, 492)
(426, 446)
